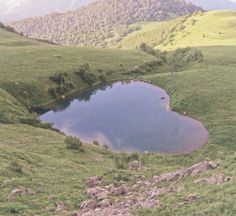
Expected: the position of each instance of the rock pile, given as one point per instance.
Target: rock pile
(144, 193)
(216, 179)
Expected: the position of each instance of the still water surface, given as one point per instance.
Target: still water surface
(128, 116)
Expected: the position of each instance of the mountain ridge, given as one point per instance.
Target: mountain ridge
(92, 25)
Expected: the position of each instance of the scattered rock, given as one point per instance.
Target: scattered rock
(216, 179)
(191, 198)
(155, 192)
(128, 202)
(181, 188)
(98, 193)
(151, 204)
(59, 207)
(107, 212)
(144, 193)
(122, 190)
(89, 205)
(135, 165)
(18, 191)
(191, 171)
(105, 203)
(188, 200)
(94, 181)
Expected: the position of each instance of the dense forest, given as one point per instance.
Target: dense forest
(94, 25)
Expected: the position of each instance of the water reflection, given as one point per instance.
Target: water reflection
(128, 116)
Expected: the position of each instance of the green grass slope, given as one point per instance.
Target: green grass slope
(26, 65)
(202, 29)
(11, 110)
(38, 159)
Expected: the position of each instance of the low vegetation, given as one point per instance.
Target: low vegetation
(177, 59)
(74, 143)
(51, 69)
(122, 160)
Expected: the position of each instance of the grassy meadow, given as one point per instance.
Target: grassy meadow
(202, 29)
(38, 159)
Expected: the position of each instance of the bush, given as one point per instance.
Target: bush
(16, 167)
(74, 143)
(85, 75)
(83, 69)
(103, 78)
(122, 160)
(183, 56)
(96, 143)
(59, 78)
(89, 78)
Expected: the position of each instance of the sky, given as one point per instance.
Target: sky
(14, 3)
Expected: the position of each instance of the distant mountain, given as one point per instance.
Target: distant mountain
(12, 10)
(94, 24)
(215, 4)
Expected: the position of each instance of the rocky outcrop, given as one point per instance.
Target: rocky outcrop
(216, 179)
(94, 181)
(191, 171)
(88, 205)
(98, 193)
(121, 190)
(143, 193)
(134, 165)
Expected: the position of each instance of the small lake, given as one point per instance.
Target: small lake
(128, 116)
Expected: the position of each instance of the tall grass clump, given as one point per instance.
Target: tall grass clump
(121, 161)
(74, 143)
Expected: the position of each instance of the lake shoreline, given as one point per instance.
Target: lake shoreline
(158, 106)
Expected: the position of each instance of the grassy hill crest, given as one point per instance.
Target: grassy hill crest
(200, 29)
(91, 25)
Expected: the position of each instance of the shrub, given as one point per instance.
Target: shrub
(89, 78)
(30, 121)
(183, 56)
(85, 75)
(122, 160)
(96, 143)
(83, 69)
(59, 78)
(103, 78)
(146, 48)
(121, 177)
(110, 72)
(16, 167)
(74, 143)
(60, 90)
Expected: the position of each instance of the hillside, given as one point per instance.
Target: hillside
(21, 9)
(38, 61)
(215, 5)
(92, 25)
(197, 30)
